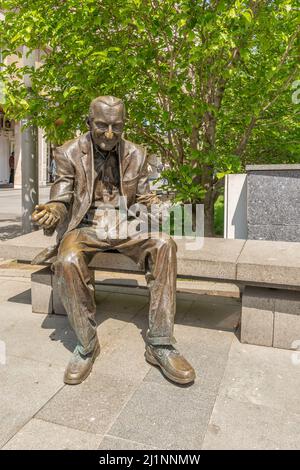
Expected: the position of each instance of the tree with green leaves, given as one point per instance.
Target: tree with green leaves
(207, 84)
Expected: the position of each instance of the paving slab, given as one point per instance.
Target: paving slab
(18, 288)
(42, 338)
(219, 313)
(150, 418)
(25, 386)
(110, 327)
(115, 443)
(91, 406)
(42, 435)
(262, 376)
(115, 312)
(239, 426)
(124, 355)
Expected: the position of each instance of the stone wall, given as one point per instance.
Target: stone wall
(273, 202)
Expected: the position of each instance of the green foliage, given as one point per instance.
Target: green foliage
(207, 84)
(219, 216)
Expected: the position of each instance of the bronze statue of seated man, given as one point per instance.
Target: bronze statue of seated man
(93, 172)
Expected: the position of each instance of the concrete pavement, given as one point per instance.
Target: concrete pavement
(11, 210)
(244, 397)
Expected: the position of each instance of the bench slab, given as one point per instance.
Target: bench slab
(216, 259)
(270, 262)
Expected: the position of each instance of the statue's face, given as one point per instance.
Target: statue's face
(106, 125)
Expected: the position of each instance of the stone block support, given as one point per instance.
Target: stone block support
(271, 317)
(41, 291)
(44, 293)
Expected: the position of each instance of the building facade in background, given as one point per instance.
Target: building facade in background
(10, 135)
(10, 141)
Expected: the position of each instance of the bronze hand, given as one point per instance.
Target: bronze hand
(46, 215)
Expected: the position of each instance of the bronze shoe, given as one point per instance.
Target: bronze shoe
(172, 364)
(80, 366)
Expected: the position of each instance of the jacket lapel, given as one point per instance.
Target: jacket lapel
(87, 159)
(124, 158)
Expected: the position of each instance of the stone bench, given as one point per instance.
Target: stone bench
(267, 272)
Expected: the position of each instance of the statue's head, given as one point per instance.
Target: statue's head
(106, 121)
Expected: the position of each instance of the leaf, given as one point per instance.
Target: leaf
(24, 103)
(248, 15)
(182, 22)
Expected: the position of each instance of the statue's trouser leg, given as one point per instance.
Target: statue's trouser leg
(76, 289)
(156, 255)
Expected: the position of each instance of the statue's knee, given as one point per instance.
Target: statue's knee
(67, 260)
(172, 244)
(167, 243)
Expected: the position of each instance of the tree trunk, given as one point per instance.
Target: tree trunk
(209, 213)
(209, 209)
(209, 219)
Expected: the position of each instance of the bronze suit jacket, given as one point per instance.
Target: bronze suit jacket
(75, 183)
